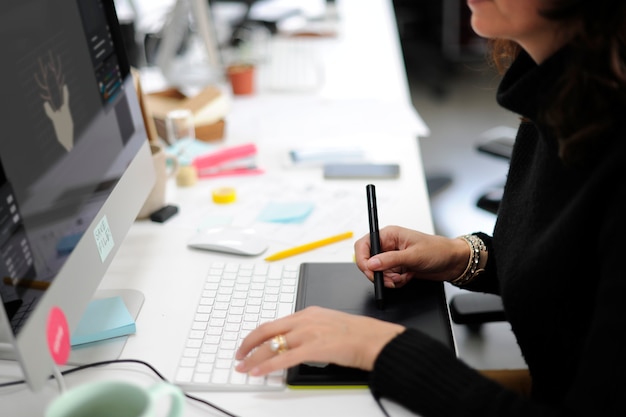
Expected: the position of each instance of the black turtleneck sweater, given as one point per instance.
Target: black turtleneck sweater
(558, 259)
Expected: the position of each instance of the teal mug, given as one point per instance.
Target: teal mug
(116, 399)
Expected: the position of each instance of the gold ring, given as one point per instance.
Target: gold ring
(278, 344)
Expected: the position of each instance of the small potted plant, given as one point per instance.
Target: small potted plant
(249, 44)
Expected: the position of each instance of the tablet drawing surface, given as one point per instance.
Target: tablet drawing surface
(342, 286)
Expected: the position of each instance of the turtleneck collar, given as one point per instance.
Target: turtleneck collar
(525, 87)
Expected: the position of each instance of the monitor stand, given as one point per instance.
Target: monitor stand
(104, 350)
(108, 349)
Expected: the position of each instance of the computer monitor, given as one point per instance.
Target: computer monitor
(174, 35)
(75, 166)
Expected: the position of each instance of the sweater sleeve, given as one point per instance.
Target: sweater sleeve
(425, 376)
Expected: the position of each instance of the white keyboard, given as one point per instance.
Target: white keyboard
(236, 298)
(294, 64)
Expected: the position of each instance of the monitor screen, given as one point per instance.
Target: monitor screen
(75, 165)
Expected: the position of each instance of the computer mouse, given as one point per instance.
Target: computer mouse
(234, 240)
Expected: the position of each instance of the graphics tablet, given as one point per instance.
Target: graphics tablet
(342, 286)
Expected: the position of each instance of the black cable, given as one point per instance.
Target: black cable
(158, 374)
(380, 404)
(116, 361)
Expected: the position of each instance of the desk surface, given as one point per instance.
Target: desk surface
(370, 109)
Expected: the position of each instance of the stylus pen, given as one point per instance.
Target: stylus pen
(372, 212)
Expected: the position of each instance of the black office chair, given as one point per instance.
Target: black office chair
(475, 309)
(496, 142)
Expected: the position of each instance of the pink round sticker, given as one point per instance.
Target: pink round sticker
(58, 336)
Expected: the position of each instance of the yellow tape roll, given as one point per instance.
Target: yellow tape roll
(224, 195)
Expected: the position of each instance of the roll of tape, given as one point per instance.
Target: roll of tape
(224, 195)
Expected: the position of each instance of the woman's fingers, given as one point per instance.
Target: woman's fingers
(315, 335)
(266, 358)
(264, 333)
(286, 342)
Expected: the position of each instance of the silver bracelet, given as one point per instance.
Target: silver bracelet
(477, 248)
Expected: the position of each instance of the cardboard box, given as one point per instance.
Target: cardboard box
(209, 108)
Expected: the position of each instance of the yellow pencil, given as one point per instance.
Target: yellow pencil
(308, 246)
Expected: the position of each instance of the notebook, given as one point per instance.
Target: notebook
(342, 286)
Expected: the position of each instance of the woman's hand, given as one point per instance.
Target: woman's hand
(316, 334)
(408, 254)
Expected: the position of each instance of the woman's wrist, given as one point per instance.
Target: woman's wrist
(476, 260)
(460, 256)
(376, 348)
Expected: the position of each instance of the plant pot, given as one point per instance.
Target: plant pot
(241, 78)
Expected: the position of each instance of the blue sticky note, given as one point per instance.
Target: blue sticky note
(286, 212)
(186, 150)
(103, 318)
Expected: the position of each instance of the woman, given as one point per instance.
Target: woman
(557, 252)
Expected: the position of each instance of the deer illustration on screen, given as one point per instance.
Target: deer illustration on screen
(56, 98)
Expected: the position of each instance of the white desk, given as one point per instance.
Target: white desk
(371, 109)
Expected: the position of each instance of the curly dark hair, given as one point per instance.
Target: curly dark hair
(596, 79)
